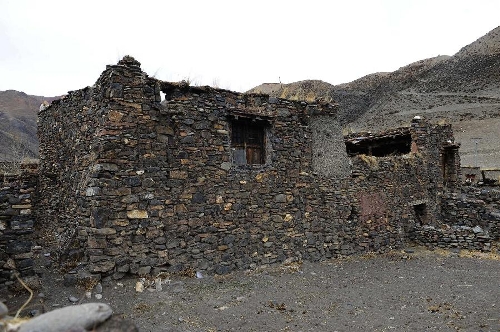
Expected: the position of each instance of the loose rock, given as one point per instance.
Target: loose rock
(73, 299)
(3, 310)
(84, 316)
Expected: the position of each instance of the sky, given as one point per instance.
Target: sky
(50, 47)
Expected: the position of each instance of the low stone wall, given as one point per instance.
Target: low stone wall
(17, 224)
(473, 206)
(470, 220)
(460, 237)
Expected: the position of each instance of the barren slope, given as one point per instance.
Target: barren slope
(463, 89)
(18, 113)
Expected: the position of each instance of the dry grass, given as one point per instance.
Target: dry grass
(493, 255)
(369, 160)
(12, 324)
(188, 272)
(291, 267)
(87, 284)
(143, 307)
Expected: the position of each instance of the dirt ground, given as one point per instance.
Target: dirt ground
(410, 290)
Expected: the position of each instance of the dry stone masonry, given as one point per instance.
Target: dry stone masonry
(214, 180)
(17, 223)
(471, 220)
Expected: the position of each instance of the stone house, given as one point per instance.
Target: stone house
(213, 180)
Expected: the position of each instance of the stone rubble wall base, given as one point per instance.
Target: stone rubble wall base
(470, 220)
(17, 223)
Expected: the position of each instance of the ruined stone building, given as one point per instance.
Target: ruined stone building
(214, 180)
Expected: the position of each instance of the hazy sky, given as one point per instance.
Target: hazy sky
(49, 47)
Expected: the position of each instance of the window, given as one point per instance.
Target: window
(379, 146)
(421, 213)
(248, 142)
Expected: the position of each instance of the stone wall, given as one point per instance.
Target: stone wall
(472, 206)
(77, 136)
(17, 224)
(67, 136)
(470, 220)
(458, 237)
(437, 144)
(130, 184)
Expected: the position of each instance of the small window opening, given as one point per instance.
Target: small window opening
(248, 141)
(421, 213)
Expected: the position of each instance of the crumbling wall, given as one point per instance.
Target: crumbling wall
(436, 143)
(457, 237)
(386, 191)
(470, 219)
(139, 186)
(17, 223)
(67, 135)
(79, 134)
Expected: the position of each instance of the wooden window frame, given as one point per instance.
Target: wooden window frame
(248, 141)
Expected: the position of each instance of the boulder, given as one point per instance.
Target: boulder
(85, 316)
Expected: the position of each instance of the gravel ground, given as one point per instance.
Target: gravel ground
(412, 290)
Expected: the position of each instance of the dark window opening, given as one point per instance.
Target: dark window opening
(248, 141)
(380, 146)
(421, 213)
(448, 166)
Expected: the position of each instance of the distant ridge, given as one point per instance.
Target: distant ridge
(18, 114)
(489, 44)
(463, 89)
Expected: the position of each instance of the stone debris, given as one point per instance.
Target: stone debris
(98, 288)
(158, 285)
(73, 299)
(139, 286)
(34, 312)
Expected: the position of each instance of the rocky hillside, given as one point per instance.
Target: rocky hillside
(18, 112)
(463, 89)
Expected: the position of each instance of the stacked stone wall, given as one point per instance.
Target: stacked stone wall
(470, 219)
(17, 223)
(66, 133)
(136, 185)
(78, 136)
(437, 144)
(455, 237)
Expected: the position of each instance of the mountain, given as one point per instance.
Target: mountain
(18, 114)
(463, 89)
